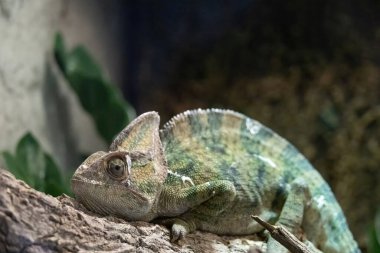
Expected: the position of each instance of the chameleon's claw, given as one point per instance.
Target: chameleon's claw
(178, 232)
(180, 229)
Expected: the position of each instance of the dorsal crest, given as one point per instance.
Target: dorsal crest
(218, 130)
(192, 123)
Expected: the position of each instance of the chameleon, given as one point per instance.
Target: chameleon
(210, 170)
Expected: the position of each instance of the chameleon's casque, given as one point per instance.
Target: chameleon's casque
(211, 170)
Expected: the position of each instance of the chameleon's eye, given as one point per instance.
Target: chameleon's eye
(116, 168)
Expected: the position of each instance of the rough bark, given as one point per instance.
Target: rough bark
(31, 221)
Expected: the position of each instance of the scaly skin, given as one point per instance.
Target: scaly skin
(211, 170)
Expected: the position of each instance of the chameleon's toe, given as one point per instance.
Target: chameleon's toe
(178, 232)
(180, 229)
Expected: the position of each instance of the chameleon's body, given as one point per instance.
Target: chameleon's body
(211, 170)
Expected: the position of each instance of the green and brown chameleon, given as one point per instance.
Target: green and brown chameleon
(211, 170)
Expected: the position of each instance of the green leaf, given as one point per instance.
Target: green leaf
(13, 166)
(374, 236)
(80, 61)
(38, 169)
(102, 100)
(60, 52)
(31, 159)
(88, 90)
(373, 246)
(55, 183)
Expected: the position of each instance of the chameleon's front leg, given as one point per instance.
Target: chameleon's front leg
(197, 203)
(292, 213)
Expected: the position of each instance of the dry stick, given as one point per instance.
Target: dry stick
(283, 236)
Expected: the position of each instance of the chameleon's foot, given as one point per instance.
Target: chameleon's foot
(180, 229)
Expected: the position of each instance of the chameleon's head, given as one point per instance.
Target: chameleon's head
(126, 181)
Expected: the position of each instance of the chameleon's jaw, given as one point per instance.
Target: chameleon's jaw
(79, 188)
(105, 200)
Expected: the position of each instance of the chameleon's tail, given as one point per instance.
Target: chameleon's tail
(339, 238)
(333, 235)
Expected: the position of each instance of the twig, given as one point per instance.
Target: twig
(283, 236)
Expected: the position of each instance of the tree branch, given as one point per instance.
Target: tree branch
(283, 236)
(31, 221)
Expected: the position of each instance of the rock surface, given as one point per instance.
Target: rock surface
(31, 221)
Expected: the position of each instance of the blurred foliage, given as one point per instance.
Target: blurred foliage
(272, 36)
(38, 169)
(102, 100)
(374, 236)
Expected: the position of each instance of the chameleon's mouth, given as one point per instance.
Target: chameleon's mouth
(81, 192)
(98, 198)
(78, 186)
(78, 181)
